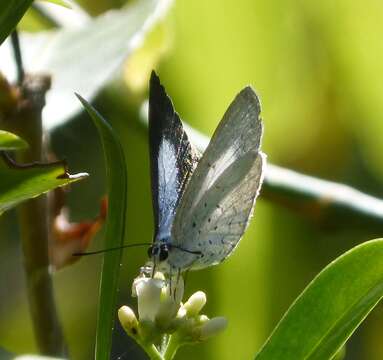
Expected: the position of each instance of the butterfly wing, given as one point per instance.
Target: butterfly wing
(172, 158)
(219, 199)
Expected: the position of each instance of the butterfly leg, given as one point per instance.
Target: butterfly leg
(153, 269)
(186, 276)
(170, 281)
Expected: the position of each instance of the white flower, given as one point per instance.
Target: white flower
(171, 297)
(158, 300)
(162, 316)
(148, 292)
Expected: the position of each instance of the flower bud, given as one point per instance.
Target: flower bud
(195, 303)
(211, 328)
(181, 312)
(202, 319)
(128, 319)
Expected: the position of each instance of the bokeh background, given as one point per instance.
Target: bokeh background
(317, 67)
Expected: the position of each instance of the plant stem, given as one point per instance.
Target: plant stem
(33, 217)
(172, 347)
(152, 352)
(328, 203)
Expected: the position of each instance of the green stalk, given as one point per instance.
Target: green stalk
(172, 347)
(152, 352)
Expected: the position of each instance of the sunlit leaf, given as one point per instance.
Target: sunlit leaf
(330, 309)
(35, 357)
(341, 353)
(63, 3)
(22, 182)
(114, 234)
(85, 57)
(9, 141)
(140, 64)
(11, 12)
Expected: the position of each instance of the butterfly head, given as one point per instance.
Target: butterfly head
(159, 252)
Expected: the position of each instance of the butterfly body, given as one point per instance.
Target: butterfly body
(202, 204)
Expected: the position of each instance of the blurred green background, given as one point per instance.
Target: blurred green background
(318, 69)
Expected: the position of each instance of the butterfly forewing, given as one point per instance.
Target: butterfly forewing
(172, 159)
(215, 209)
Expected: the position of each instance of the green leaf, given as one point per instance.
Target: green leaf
(9, 141)
(99, 46)
(5, 355)
(22, 182)
(340, 354)
(330, 309)
(11, 12)
(35, 357)
(114, 233)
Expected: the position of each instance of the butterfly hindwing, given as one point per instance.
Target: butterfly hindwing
(172, 158)
(219, 199)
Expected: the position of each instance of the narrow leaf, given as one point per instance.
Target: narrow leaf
(9, 141)
(114, 234)
(11, 12)
(22, 182)
(330, 309)
(35, 357)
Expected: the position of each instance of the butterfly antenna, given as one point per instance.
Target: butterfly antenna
(110, 249)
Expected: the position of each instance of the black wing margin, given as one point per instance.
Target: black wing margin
(172, 158)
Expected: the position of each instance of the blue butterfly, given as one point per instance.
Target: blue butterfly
(202, 204)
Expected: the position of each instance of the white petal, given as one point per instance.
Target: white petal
(148, 292)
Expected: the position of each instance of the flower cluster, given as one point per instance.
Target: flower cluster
(164, 323)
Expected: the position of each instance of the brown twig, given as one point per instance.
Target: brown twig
(26, 121)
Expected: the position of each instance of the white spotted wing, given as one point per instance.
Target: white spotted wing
(219, 198)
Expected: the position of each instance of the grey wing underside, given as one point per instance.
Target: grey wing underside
(219, 199)
(172, 158)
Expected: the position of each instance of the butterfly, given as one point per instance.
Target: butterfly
(202, 204)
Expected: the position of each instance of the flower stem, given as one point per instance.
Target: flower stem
(152, 351)
(172, 347)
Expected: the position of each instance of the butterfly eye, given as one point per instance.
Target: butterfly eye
(164, 253)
